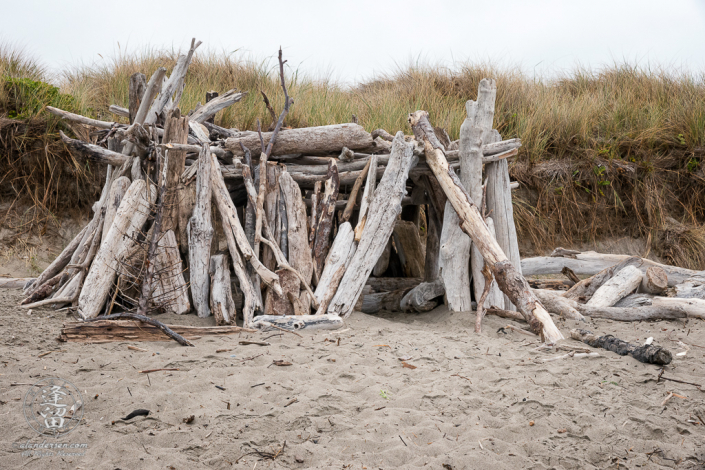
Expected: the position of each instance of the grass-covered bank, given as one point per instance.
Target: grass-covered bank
(614, 152)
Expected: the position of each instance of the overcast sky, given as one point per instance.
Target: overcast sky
(353, 40)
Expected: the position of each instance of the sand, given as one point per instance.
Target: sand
(347, 401)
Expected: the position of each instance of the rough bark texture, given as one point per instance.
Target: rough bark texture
(299, 252)
(200, 235)
(310, 140)
(108, 331)
(175, 131)
(648, 354)
(129, 219)
(324, 226)
(117, 192)
(379, 226)
(299, 322)
(170, 288)
(138, 84)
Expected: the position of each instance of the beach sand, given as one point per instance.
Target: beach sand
(347, 401)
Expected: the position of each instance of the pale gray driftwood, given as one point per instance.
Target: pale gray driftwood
(590, 262)
(129, 219)
(200, 235)
(170, 288)
(509, 280)
(299, 322)
(622, 284)
(117, 192)
(422, 297)
(213, 106)
(322, 139)
(382, 215)
(655, 281)
(221, 299)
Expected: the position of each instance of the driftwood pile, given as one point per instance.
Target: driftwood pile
(296, 228)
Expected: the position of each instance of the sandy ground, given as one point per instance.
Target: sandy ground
(472, 401)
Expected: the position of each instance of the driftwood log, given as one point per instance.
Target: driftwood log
(648, 354)
(508, 278)
(107, 331)
(299, 322)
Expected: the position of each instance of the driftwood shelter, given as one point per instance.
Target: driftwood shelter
(296, 228)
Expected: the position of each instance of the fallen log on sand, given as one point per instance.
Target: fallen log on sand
(589, 263)
(107, 331)
(298, 322)
(648, 354)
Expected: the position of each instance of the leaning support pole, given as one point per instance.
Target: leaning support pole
(200, 235)
(508, 278)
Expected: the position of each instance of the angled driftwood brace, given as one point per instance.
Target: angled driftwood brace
(508, 278)
(382, 214)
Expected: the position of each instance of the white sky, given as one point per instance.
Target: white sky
(354, 39)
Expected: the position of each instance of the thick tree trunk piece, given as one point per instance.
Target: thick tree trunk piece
(619, 286)
(499, 204)
(308, 140)
(175, 131)
(648, 354)
(117, 192)
(213, 106)
(129, 219)
(454, 262)
(200, 235)
(508, 278)
(271, 213)
(299, 253)
(221, 299)
(170, 288)
(108, 331)
(585, 289)
(655, 281)
(382, 215)
(693, 308)
(495, 297)
(138, 85)
(422, 297)
(324, 227)
(339, 256)
(299, 322)
(409, 247)
(589, 263)
(475, 129)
